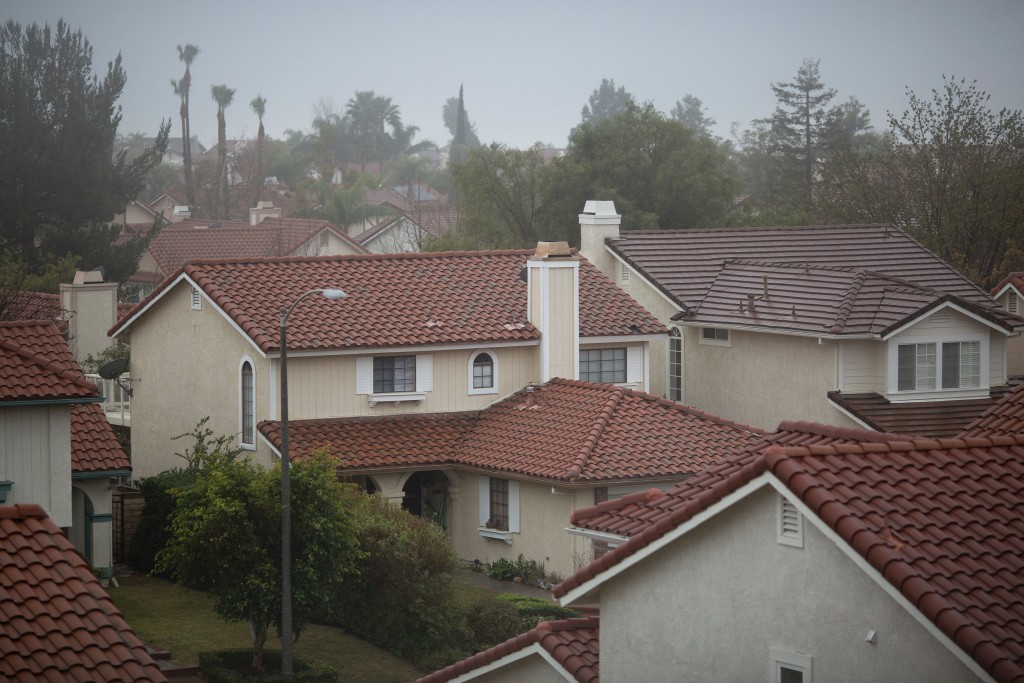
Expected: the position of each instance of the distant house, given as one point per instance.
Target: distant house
(419, 213)
(1009, 294)
(852, 325)
(59, 624)
(56, 447)
(825, 554)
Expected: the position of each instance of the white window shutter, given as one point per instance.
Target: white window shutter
(364, 375)
(513, 506)
(485, 500)
(424, 373)
(634, 364)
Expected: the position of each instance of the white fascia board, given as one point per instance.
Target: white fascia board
(273, 449)
(640, 275)
(853, 417)
(411, 348)
(602, 536)
(532, 649)
(955, 307)
(623, 339)
(773, 330)
(584, 589)
(879, 579)
(1006, 288)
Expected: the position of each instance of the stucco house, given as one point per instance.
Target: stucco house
(851, 325)
(828, 554)
(1009, 294)
(56, 447)
(419, 213)
(59, 624)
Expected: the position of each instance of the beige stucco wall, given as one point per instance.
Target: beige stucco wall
(185, 366)
(710, 605)
(35, 453)
(762, 379)
(93, 310)
(532, 668)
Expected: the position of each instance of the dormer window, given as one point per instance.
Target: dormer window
(923, 368)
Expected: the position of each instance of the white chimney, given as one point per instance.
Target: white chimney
(263, 210)
(598, 222)
(553, 282)
(90, 305)
(180, 213)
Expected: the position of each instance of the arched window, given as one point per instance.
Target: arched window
(248, 405)
(483, 373)
(675, 365)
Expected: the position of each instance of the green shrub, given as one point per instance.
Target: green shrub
(403, 597)
(235, 666)
(153, 530)
(532, 611)
(490, 620)
(501, 569)
(530, 571)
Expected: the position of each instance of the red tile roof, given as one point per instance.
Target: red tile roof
(942, 520)
(36, 365)
(193, 239)
(33, 306)
(94, 448)
(573, 643)
(852, 270)
(564, 431)
(1015, 279)
(1005, 418)
(398, 299)
(937, 419)
(56, 621)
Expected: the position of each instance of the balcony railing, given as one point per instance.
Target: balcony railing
(117, 404)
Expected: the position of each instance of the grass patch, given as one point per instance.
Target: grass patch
(167, 616)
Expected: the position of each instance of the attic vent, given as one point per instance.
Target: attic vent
(791, 524)
(939, 318)
(1011, 303)
(197, 300)
(623, 273)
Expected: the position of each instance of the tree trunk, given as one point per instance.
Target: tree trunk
(222, 174)
(259, 639)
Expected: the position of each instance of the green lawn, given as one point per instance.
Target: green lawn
(167, 616)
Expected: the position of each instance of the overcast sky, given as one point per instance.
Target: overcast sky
(529, 66)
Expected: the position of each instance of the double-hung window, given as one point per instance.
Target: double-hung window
(499, 507)
(939, 365)
(394, 374)
(606, 366)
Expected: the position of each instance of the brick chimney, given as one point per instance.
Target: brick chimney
(553, 282)
(597, 222)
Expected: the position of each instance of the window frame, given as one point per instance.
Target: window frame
(486, 510)
(795, 661)
(721, 336)
(981, 388)
(471, 368)
(675, 364)
(409, 383)
(250, 444)
(600, 362)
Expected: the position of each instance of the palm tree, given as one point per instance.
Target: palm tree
(377, 128)
(259, 107)
(186, 53)
(222, 95)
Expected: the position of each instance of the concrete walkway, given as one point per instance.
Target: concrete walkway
(481, 580)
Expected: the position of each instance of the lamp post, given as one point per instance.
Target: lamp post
(286, 495)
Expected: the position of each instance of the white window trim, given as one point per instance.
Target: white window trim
(715, 342)
(892, 369)
(791, 660)
(424, 381)
(676, 333)
(241, 408)
(485, 510)
(493, 389)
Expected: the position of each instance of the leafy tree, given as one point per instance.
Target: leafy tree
(951, 174)
(259, 107)
(606, 102)
(800, 127)
(659, 173)
(222, 95)
(376, 128)
(59, 175)
(500, 189)
(343, 207)
(690, 112)
(186, 53)
(226, 541)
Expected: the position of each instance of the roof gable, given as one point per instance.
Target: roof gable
(396, 300)
(59, 623)
(36, 365)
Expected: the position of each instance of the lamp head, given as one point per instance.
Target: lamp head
(334, 294)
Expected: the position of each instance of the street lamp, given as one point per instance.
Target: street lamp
(286, 496)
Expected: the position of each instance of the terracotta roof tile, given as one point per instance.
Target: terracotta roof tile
(399, 299)
(94, 448)
(36, 364)
(58, 623)
(856, 277)
(1004, 418)
(948, 555)
(1015, 279)
(562, 431)
(573, 643)
(920, 418)
(34, 306)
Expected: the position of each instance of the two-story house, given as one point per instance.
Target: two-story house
(432, 340)
(854, 325)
